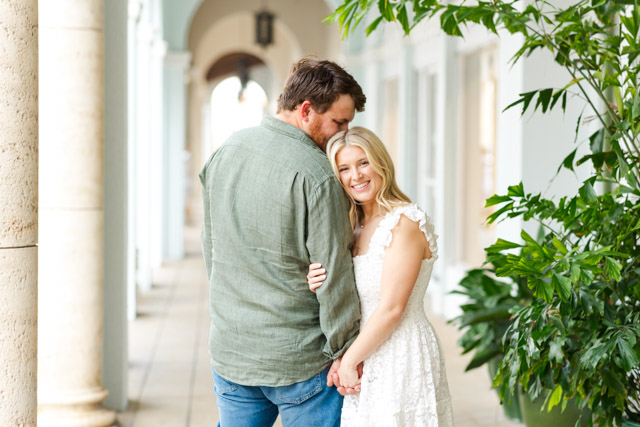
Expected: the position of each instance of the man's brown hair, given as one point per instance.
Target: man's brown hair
(320, 82)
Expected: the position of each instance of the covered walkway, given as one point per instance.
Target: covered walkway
(169, 378)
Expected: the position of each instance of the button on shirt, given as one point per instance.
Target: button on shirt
(272, 206)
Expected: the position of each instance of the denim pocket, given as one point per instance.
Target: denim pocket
(299, 392)
(222, 386)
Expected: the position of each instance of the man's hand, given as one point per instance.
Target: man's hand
(334, 379)
(332, 375)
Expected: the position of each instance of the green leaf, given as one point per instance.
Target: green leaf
(596, 158)
(483, 356)
(524, 98)
(610, 159)
(613, 382)
(616, 93)
(628, 356)
(587, 193)
(555, 349)
(612, 268)
(593, 354)
(499, 312)
(596, 141)
(574, 270)
(373, 25)
(448, 22)
(494, 216)
(624, 168)
(502, 245)
(403, 19)
(562, 285)
(578, 123)
(587, 276)
(589, 302)
(495, 199)
(556, 97)
(559, 246)
(568, 161)
(527, 238)
(631, 179)
(635, 109)
(540, 288)
(516, 190)
(555, 398)
(544, 98)
(344, 18)
(386, 10)
(489, 23)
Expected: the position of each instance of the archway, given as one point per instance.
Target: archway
(238, 99)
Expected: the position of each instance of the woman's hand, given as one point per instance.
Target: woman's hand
(316, 276)
(348, 374)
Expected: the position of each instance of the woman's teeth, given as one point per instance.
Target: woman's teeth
(359, 186)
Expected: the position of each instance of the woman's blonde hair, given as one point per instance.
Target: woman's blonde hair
(389, 194)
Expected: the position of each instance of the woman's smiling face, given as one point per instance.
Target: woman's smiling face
(357, 175)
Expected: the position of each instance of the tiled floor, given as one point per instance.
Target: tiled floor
(169, 377)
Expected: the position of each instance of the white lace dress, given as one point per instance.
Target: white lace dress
(404, 382)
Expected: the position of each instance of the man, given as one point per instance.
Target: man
(272, 206)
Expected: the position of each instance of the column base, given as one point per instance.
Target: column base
(77, 416)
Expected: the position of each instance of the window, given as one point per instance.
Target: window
(476, 160)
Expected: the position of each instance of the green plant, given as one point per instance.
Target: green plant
(487, 313)
(579, 338)
(485, 317)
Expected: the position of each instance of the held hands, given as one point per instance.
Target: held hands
(348, 375)
(316, 276)
(333, 378)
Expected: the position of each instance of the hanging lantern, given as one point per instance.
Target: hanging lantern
(264, 28)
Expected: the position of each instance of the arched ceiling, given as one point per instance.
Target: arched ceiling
(303, 17)
(232, 63)
(178, 15)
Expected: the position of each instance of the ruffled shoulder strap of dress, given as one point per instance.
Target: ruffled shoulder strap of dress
(383, 235)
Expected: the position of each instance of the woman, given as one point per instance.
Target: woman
(404, 381)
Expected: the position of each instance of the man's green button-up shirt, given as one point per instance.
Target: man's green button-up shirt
(272, 206)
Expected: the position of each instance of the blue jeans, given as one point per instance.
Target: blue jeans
(308, 403)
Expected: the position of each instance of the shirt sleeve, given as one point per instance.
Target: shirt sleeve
(205, 237)
(328, 242)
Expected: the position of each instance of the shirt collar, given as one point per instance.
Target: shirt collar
(285, 128)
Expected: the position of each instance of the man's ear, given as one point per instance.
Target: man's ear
(305, 110)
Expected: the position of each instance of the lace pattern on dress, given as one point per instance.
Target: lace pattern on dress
(383, 235)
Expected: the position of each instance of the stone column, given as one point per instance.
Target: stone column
(176, 67)
(116, 256)
(70, 391)
(156, 148)
(144, 147)
(134, 10)
(18, 210)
